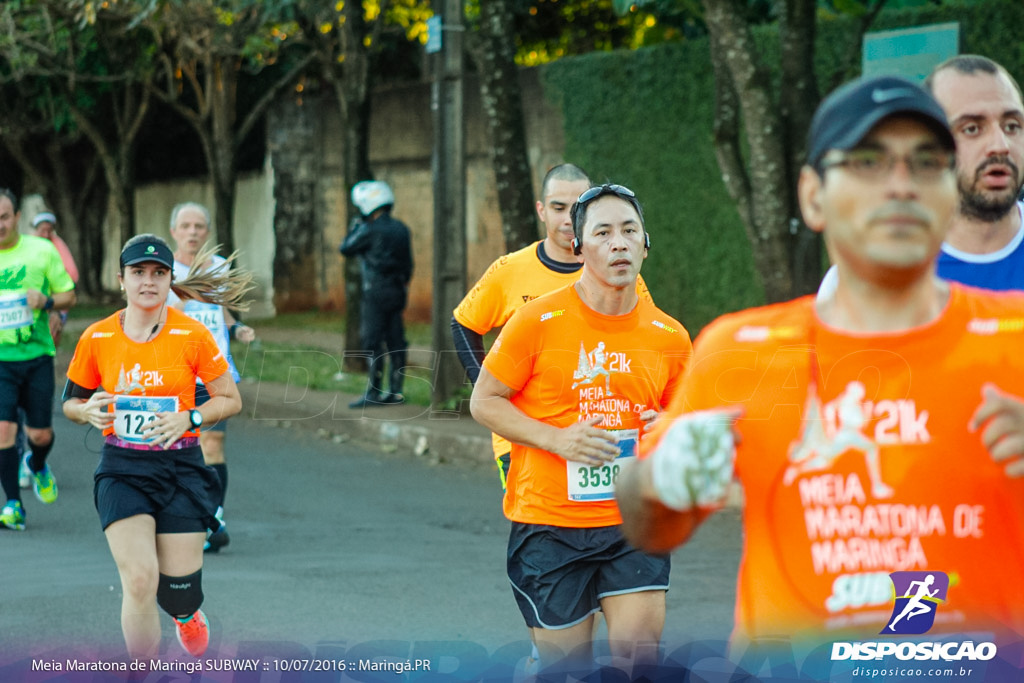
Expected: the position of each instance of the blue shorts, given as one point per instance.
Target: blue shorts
(559, 575)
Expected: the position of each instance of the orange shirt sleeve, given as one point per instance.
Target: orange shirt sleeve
(483, 308)
(83, 369)
(209, 361)
(512, 356)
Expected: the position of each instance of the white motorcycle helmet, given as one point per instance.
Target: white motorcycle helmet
(370, 195)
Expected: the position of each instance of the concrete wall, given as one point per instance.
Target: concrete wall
(254, 230)
(401, 148)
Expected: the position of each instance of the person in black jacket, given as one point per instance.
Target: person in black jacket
(384, 244)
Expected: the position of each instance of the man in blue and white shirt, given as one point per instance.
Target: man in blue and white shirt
(983, 102)
(190, 228)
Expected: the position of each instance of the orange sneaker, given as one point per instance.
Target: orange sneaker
(193, 633)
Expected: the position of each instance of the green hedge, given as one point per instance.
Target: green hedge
(643, 118)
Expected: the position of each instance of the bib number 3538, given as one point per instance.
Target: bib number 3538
(133, 413)
(588, 484)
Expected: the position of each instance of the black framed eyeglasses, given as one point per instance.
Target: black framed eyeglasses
(597, 191)
(925, 165)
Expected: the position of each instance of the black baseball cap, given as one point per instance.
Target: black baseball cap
(147, 250)
(849, 113)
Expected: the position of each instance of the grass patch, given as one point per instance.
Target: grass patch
(327, 321)
(315, 369)
(93, 312)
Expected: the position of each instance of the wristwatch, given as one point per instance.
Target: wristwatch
(196, 418)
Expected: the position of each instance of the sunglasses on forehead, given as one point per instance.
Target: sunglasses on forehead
(597, 191)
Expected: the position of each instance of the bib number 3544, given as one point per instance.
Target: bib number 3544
(588, 484)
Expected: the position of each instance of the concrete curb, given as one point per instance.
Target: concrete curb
(440, 436)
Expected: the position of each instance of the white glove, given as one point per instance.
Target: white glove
(693, 463)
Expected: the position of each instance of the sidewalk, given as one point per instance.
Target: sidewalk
(440, 436)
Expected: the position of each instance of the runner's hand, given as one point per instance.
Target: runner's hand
(649, 418)
(1002, 416)
(693, 463)
(94, 411)
(245, 334)
(585, 443)
(35, 298)
(166, 428)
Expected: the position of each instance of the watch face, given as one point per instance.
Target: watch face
(196, 417)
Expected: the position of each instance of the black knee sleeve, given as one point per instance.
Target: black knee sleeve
(37, 461)
(180, 596)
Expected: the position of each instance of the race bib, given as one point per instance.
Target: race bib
(14, 311)
(132, 413)
(586, 484)
(209, 315)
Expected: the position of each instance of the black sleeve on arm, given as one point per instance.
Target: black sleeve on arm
(470, 347)
(72, 390)
(357, 240)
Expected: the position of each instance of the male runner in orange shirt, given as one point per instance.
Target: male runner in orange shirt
(876, 429)
(571, 381)
(522, 276)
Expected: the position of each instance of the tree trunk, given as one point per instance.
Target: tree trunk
(356, 124)
(118, 171)
(764, 196)
(292, 139)
(797, 102)
(494, 53)
(352, 81)
(222, 91)
(68, 176)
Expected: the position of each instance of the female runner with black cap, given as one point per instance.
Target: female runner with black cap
(134, 376)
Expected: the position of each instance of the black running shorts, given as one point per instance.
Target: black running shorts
(174, 487)
(28, 384)
(559, 575)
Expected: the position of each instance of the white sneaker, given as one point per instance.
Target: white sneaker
(24, 473)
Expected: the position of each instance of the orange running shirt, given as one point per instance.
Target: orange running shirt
(510, 282)
(568, 363)
(821, 534)
(167, 365)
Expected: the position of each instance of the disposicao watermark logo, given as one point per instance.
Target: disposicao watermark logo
(918, 595)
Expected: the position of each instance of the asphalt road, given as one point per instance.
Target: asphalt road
(336, 554)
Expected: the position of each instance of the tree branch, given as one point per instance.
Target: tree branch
(271, 94)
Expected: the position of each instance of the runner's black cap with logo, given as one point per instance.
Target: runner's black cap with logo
(852, 110)
(144, 250)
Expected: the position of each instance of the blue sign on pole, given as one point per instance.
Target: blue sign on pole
(434, 34)
(910, 52)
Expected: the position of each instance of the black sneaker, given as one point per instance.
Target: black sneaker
(369, 400)
(393, 399)
(217, 540)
